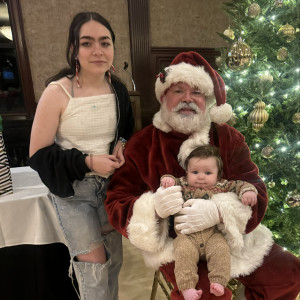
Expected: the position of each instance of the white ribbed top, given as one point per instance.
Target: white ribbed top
(88, 123)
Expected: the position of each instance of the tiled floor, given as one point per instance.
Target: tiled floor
(135, 280)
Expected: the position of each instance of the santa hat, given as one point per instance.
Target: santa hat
(193, 69)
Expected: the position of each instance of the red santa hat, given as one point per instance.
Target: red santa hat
(191, 68)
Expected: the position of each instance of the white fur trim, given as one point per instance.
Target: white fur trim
(257, 244)
(195, 76)
(247, 250)
(160, 123)
(235, 218)
(195, 140)
(144, 230)
(156, 259)
(220, 114)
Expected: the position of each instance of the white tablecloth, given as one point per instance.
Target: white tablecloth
(27, 216)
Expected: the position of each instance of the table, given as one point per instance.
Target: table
(34, 260)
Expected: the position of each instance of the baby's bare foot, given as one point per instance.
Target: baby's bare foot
(217, 289)
(192, 294)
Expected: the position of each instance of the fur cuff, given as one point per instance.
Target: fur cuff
(144, 230)
(235, 218)
(257, 244)
(157, 259)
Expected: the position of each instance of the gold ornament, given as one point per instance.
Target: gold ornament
(266, 77)
(282, 53)
(219, 61)
(253, 10)
(293, 199)
(232, 119)
(239, 56)
(287, 32)
(229, 33)
(267, 152)
(259, 116)
(271, 184)
(296, 118)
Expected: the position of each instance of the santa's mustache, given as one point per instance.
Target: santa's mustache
(185, 105)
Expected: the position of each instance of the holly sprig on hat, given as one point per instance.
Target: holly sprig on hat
(162, 75)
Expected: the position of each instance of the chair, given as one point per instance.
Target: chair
(167, 286)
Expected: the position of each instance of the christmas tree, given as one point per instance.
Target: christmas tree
(261, 70)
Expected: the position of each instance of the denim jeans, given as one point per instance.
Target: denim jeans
(84, 222)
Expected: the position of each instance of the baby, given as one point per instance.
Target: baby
(203, 179)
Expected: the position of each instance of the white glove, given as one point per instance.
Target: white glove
(168, 201)
(197, 215)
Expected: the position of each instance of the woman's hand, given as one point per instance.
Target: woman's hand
(118, 152)
(103, 164)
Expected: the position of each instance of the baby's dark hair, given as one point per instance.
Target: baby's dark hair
(205, 152)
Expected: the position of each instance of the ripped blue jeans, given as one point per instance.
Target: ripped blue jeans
(84, 222)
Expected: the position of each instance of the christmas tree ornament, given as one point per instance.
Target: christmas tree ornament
(232, 119)
(287, 32)
(293, 199)
(229, 33)
(219, 61)
(267, 152)
(296, 118)
(282, 54)
(279, 3)
(253, 10)
(271, 184)
(259, 116)
(266, 77)
(239, 56)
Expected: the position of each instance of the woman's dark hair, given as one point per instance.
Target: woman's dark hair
(73, 42)
(205, 152)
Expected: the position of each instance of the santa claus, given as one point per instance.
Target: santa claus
(193, 112)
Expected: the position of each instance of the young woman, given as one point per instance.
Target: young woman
(82, 122)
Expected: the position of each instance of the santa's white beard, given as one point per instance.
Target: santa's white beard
(185, 123)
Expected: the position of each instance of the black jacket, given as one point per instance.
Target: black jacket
(59, 168)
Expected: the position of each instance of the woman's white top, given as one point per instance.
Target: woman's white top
(88, 123)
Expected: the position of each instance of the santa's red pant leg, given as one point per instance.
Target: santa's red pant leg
(277, 279)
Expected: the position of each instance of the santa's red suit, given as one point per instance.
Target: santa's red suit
(152, 153)
(266, 270)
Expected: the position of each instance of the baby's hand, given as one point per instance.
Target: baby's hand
(167, 182)
(249, 198)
